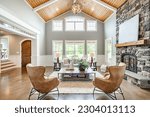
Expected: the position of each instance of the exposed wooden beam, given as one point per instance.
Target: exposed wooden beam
(44, 5)
(105, 5)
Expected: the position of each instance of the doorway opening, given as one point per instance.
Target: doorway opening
(4, 42)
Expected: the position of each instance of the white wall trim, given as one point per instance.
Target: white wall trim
(50, 2)
(47, 60)
(104, 4)
(15, 59)
(4, 12)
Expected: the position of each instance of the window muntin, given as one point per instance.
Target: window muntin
(57, 25)
(74, 23)
(91, 48)
(91, 25)
(57, 47)
(74, 48)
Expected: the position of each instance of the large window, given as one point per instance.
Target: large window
(74, 23)
(57, 25)
(91, 48)
(74, 48)
(57, 49)
(91, 25)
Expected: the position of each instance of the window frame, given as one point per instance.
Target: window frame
(74, 22)
(87, 26)
(53, 26)
(87, 48)
(74, 41)
(53, 48)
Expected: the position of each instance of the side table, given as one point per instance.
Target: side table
(57, 66)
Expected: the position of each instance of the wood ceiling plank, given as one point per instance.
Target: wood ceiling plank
(95, 10)
(89, 7)
(35, 3)
(55, 9)
(115, 3)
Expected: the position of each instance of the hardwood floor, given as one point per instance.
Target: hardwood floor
(15, 85)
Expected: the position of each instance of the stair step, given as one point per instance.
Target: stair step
(2, 61)
(9, 68)
(7, 65)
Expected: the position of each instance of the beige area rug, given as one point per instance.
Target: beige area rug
(76, 87)
(73, 86)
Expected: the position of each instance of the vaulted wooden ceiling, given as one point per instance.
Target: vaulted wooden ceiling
(99, 9)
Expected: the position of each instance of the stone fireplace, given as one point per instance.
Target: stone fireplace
(137, 57)
(130, 60)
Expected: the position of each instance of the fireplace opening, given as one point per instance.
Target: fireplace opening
(130, 60)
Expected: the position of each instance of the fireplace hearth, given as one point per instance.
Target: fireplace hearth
(131, 61)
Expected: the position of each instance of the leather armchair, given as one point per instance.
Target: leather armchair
(111, 82)
(40, 84)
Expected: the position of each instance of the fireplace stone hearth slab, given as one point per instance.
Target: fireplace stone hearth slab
(139, 80)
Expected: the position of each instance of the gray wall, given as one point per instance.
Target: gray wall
(98, 35)
(22, 11)
(110, 27)
(110, 34)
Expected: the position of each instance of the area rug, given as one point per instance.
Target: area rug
(76, 87)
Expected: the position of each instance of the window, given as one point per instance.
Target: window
(57, 25)
(74, 48)
(91, 48)
(74, 23)
(57, 48)
(91, 25)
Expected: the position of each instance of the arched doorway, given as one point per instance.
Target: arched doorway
(25, 53)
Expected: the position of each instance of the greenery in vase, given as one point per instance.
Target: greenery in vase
(83, 65)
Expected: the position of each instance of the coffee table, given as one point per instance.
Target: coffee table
(76, 75)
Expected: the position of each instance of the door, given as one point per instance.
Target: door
(26, 52)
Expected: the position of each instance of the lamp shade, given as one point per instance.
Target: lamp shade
(92, 54)
(57, 54)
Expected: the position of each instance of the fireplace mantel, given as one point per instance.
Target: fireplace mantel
(134, 43)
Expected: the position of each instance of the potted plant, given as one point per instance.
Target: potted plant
(83, 65)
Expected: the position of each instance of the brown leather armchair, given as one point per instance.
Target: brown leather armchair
(111, 82)
(40, 84)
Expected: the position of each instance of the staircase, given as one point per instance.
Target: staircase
(7, 65)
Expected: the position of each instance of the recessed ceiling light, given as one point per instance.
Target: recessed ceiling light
(57, 9)
(92, 9)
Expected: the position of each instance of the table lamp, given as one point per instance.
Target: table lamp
(57, 56)
(92, 55)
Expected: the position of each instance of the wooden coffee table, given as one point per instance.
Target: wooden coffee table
(76, 75)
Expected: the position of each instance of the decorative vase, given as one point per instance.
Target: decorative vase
(81, 69)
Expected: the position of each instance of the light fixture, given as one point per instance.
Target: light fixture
(76, 7)
(57, 9)
(92, 9)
